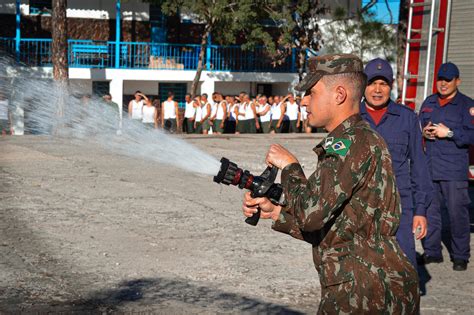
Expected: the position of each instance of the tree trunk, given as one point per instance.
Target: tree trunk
(59, 47)
(202, 53)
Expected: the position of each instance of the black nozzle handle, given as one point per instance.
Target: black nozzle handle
(253, 220)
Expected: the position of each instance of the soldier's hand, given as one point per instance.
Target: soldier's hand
(279, 157)
(428, 131)
(268, 209)
(440, 130)
(419, 222)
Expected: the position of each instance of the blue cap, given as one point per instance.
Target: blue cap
(448, 71)
(379, 68)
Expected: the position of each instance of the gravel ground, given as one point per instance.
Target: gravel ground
(85, 230)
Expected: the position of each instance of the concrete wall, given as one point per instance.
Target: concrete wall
(146, 87)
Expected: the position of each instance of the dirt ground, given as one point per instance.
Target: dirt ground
(85, 230)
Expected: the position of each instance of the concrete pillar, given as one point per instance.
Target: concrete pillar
(116, 90)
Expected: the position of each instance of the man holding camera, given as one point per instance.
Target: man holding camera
(349, 208)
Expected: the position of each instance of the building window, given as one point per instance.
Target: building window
(100, 88)
(179, 90)
(43, 7)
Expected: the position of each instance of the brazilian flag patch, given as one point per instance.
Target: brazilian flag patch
(339, 146)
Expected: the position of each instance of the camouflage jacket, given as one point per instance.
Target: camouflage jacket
(349, 209)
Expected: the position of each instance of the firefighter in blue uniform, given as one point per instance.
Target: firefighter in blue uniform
(447, 118)
(401, 130)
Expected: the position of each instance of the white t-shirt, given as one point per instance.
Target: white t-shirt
(268, 115)
(220, 110)
(198, 114)
(249, 114)
(148, 114)
(304, 113)
(204, 110)
(232, 108)
(190, 110)
(169, 111)
(137, 112)
(276, 111)
(292, 110)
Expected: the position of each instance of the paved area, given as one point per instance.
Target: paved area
(86, 230)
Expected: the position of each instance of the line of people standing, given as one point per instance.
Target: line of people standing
(243, 114)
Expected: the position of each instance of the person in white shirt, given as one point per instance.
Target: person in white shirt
(189, 114)
(248, 119)
(278, 113)
(198, 117)
(221, 114)
(170, 114)
(293, 114)
(206, 114)
(150, 115)
(304, 115)
(265, 114)
(231, 116)
(135, 106)
(5, 116)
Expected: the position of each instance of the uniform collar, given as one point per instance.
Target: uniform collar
(337, 133)
(433, 99)
(392, 108)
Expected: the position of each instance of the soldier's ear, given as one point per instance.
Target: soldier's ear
(340, 94)
(458, 82)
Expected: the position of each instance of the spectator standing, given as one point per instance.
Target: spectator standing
(198, 116)
(170, 114)
(150, 115)
(221, 114)
(304, 117)
(189, 114)
(293, 114)
(448, 127)
(5, 116)
(135, 106)
(264, 112)
(206, 111)
(115, 109)
(251, 118)
(400, 128)
(233, 113)
(277, 112)
(241, 119)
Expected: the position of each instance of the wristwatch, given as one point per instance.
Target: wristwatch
(450, 134)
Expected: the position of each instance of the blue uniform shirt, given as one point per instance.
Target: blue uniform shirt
(448, 158)
(401, 130)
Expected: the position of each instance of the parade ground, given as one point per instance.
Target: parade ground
(87, 230)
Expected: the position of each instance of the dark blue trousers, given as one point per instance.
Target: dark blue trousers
(405, 236)
(456, 197)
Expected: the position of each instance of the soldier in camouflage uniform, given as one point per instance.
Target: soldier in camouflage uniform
(349, 208)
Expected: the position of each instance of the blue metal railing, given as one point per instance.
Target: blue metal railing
(233, 58)
(143, 55)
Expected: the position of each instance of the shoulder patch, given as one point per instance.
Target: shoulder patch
(339, 146)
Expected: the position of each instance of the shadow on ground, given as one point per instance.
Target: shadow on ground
(164, 295)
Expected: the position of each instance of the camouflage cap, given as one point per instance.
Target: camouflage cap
(329, 64)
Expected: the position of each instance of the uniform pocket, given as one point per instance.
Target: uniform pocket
(337, 267)
(462, 187)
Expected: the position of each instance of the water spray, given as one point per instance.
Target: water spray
(259, 186)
